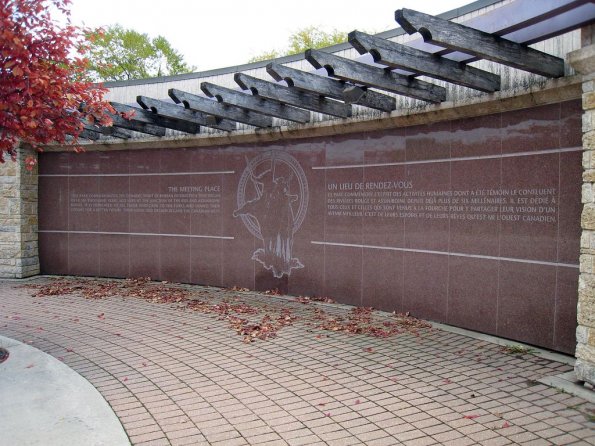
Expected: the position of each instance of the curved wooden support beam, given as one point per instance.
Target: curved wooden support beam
(361, 73)
(148, 117)
(215, 108)
(395, 55)
(478, 43)
(172, 111)
(255, 103)
(109, 131)
(326, 86)
(137, 125)
(289, 96)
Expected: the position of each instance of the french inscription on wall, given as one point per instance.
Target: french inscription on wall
(400, 199)
(202, 200)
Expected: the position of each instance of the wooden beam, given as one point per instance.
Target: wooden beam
(289, 96)
(220, 110)
(109, 131)
(116, 132)
(172, 111)
(326, 86)
(255, 103)
(152, 118)
(396, 55)
(121, 133)
(384, 79)
(468, 40)
(89, 134)
(137, 126)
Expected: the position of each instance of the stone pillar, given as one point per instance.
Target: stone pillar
(583, 61)
(18, 218)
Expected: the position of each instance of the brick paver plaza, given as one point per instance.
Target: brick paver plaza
(182, 377)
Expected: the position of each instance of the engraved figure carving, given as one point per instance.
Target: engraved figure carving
(272, 200)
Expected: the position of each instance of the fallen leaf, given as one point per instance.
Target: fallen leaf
(470, 417)
(357, 401)
(30, 365)
(101, 316)
(505, 425)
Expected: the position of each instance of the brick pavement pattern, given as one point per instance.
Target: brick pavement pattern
(179, 377)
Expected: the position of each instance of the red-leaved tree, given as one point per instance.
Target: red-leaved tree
(42, 77)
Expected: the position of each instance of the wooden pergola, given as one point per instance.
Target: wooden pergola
(442, 51)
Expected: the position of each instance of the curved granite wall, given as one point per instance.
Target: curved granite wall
(475, 222)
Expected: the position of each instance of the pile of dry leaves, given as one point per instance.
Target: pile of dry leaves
(252, 322)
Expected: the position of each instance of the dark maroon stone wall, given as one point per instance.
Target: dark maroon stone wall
(475, 223)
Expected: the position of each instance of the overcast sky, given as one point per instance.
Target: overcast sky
(222, 33)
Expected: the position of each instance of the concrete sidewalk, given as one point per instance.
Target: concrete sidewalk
(46, 403)
(182, 377)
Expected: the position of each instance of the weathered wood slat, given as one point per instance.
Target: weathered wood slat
(109, 131)
(116, 132)
(289, 96)
(326, 86)
(365, 74)
(220, 110)
(478, 43)
(151, 118)
(249, 102)
(137, 126)
(167, 109)
(120, 133)
(171, 110)
(395, 55)
(89, 134)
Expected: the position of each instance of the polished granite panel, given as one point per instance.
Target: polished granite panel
(84, 204)
(83, 254)
(474, 210)
(423, 298)
(144, 256)
(343, 274)
(114, 255)
(53, 253)
(473, 293)
(565, 314)
(382, 224)
(206, 261)
(473, 222)
(115, 190)
(174, 259)
(344, 212)
(528, 226)
(531, 129)
(527, 303)
(53, 203)
(429, 142)
(382, 279)
(428, 228)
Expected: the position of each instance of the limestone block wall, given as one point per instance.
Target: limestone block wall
(18, 218)
(583, 61)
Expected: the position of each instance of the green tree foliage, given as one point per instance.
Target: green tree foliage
(303, 39)
(120, 54)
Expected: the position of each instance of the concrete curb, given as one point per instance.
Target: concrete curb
(45, 402)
